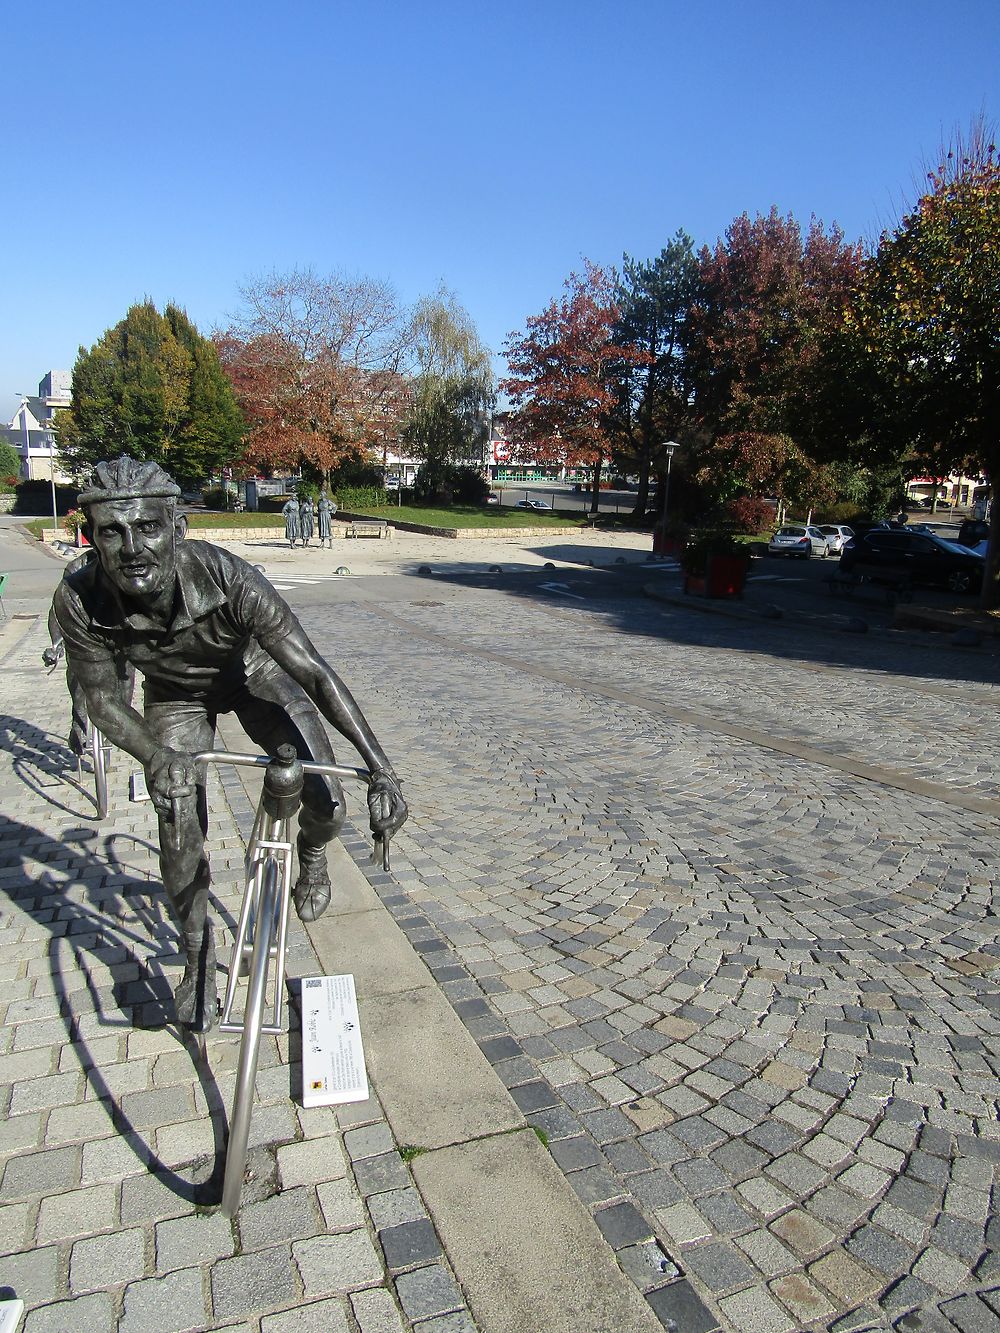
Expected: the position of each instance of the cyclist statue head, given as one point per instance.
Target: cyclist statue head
(210, 635)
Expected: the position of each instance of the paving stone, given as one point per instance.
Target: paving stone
(684, 1223)
(804, 1301)
(622, 1225)
(395, 1207)
(34, 1174)
(848, 1281)
(34, 1276)
(428, 1291)
(330, 1264)
(251, 1283)
(941, 1271)
(107, 1261)
(971, 1314)
(76, 1213)
(754, 1311)
(84, 1312)
(409, 1243)
(577, 1153)
(198, 1238)
(881, 1251)
(328, 1316)
(679, 1306)
(168, 1304)
(375, 1174)
(286, 1216)
(376, 1311)
(311, 1161)
(719, 1266)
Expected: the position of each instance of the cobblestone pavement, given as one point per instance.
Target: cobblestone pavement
(716, 899)
(111, 1121)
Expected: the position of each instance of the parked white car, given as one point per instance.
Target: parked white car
(837, 536)
(799, 539)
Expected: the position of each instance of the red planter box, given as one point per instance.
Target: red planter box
(725, 576)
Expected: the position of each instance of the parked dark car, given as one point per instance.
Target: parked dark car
(973, 531)
(922, 558)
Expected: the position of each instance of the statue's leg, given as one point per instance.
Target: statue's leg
(287, 716)
(184, 867)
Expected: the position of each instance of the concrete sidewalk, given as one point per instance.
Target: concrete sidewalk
(114, 1121)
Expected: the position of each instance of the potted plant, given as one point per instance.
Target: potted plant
(715, 564)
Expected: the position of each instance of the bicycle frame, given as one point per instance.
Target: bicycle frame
(269, 844)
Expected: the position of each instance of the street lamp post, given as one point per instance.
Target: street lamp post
(668, 448)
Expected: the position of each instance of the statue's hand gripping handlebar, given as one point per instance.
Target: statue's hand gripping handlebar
(181, 790)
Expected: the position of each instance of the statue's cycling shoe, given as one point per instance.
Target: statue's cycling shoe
(312, 891)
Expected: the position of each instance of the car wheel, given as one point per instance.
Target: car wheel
(825, 553)
(959, 581)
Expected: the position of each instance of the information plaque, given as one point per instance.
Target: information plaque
(333, 1058)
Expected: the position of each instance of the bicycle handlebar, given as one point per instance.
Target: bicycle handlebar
(308, 766)
(262, 761)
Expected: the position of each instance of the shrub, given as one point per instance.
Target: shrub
(35, 497)
(354, 498)
(749, 515)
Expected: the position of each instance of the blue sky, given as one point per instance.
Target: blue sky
(175, 150)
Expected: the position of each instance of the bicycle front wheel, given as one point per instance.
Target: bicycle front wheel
(253, 1019)
(100, 754)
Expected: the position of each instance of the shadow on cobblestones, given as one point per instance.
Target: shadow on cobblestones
(106, 927)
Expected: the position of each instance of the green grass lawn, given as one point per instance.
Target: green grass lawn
(473, 516)
(451, 516)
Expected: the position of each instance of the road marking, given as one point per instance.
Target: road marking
(562, 589)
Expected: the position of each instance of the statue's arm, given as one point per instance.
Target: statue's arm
(295, 653)
(127, 729)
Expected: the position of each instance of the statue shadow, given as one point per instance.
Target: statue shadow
(114, 930)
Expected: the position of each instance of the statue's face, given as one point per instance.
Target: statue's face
(136, 541)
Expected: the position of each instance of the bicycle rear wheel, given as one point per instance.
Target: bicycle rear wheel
(100, 754)
(239, 1127)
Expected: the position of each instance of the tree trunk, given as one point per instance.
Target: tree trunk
(595, 499)
(642, 496)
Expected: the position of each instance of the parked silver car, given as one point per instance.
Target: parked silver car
(799, 539)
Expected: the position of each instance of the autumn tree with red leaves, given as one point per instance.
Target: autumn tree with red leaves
(564, 376)
(767, 302)
(317, 367)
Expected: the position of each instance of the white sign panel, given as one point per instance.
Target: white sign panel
(333, 1058)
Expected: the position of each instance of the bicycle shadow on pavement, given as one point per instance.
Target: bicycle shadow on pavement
(43, 763)
(107, 928)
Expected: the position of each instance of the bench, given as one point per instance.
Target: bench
(891, 585)
(3, 609)
(361, 528)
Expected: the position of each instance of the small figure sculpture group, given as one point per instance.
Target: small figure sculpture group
(299, 521)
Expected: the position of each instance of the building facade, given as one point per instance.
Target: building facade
(31, 428)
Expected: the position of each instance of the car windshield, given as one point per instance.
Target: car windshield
(792, 532)
(830, 532)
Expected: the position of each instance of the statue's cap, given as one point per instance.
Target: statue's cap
(127, 479)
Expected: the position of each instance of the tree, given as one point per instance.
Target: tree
(927, 321)
(653, 298)
(151, 387)
(10, 462)
(316, 365)
(565, 375)
(767, 304)
(452, 391)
